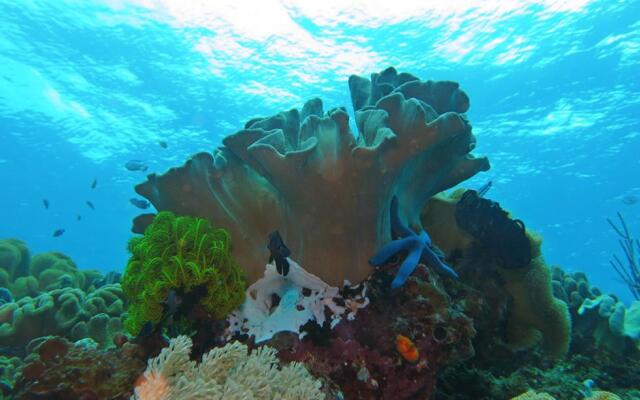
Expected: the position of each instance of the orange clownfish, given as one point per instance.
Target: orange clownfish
(407, 349)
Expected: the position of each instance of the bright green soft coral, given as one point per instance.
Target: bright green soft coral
(180, 253)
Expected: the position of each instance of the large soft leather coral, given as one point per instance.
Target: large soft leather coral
(328, 191)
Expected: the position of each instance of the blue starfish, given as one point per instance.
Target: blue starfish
(418, 247)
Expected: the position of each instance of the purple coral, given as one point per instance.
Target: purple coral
(328, 191)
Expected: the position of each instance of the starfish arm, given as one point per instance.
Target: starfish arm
(425, 239)
(431, 258)
(406, 269)
(398, 228)
(390, 249)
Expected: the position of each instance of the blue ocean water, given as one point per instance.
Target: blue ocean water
(86, 86)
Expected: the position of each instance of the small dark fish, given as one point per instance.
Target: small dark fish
(630, 200)
(143, 204)
(484, 189)
(171, 303)
(45, 202)
(94, 184)
(136, 165)
(79, 217)
(279, 253)
(146, 331)
(90, 204)
(58, 232)
(163, 144)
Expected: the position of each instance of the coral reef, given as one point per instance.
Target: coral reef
(572, 288)
(68, 312)
(14, 260)
(184, 254)
(62, 370)
(48, 295)
(508, 327)
(360, 355)
(413, 142)
(10, 369)
(596, 395)
(230, 372)
(611, 323)
(534, 313)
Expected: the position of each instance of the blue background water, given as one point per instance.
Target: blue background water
(86, 86)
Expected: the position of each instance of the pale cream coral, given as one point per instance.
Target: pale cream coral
(229, 372)
(532, 395)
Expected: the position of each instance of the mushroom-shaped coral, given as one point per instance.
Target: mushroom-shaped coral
(305, 174)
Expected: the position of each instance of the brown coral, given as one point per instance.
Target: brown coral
(327, 191)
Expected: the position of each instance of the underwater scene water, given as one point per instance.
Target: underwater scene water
(319, 200)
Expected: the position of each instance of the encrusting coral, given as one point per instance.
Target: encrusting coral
(230, 372)
(184, 254)
(304, 173)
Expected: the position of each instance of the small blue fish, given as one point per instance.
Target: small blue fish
(90, 205)
(136, 165)
(630, 200)
(143, 204)
(45, 202)
(94, 184)
(163, 144)
(279, 253)
(79, 217)
(58, 232)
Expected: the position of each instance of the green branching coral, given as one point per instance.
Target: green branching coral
(181, 253)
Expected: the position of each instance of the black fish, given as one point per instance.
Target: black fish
(171, 303)
(143, 204)
(147, 330)
(136, 165)
(484, 189)
(45, 202)
(94, 184)
(58, 232)
(162, 144)
(279, 253)
(90, 204)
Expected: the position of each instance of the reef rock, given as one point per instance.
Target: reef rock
(328, 191)
(360, 355)
(62, 370)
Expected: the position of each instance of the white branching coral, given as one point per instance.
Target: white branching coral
(229, 373)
